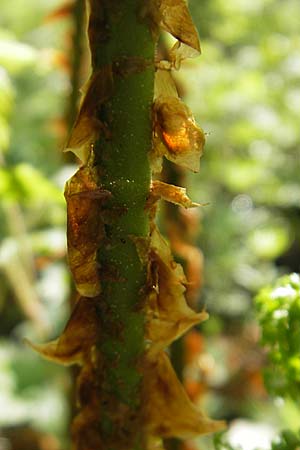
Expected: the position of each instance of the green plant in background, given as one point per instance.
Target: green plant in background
(278, 309)
(286, 441)
(248, 92)
(278, 313)
(221, 443)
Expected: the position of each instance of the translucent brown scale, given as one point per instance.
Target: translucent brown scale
(131, 301)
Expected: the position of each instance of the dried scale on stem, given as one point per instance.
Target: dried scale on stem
(131, 293)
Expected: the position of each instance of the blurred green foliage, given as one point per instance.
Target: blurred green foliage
(278, 312)
(286, 441)
(279, 317)
(245, 91)
(221, 443)
(34, 88)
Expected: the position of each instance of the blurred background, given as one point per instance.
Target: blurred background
(245, 94)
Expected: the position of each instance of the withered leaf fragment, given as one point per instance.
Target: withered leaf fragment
(85, 228)
(171, 193)
(88, 126)
(164, 85)
(176, 135)
(172, 16)
(168, 411)
(175, 132)
(179, 52)
(168, 315)
(193, 259)
(78, 337)
(86, 427)
(176, 19)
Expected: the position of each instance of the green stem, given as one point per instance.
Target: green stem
(77, 44)
(124, 170)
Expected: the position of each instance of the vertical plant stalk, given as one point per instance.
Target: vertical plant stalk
(78, 17)
(131, 294)
(124, 53)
